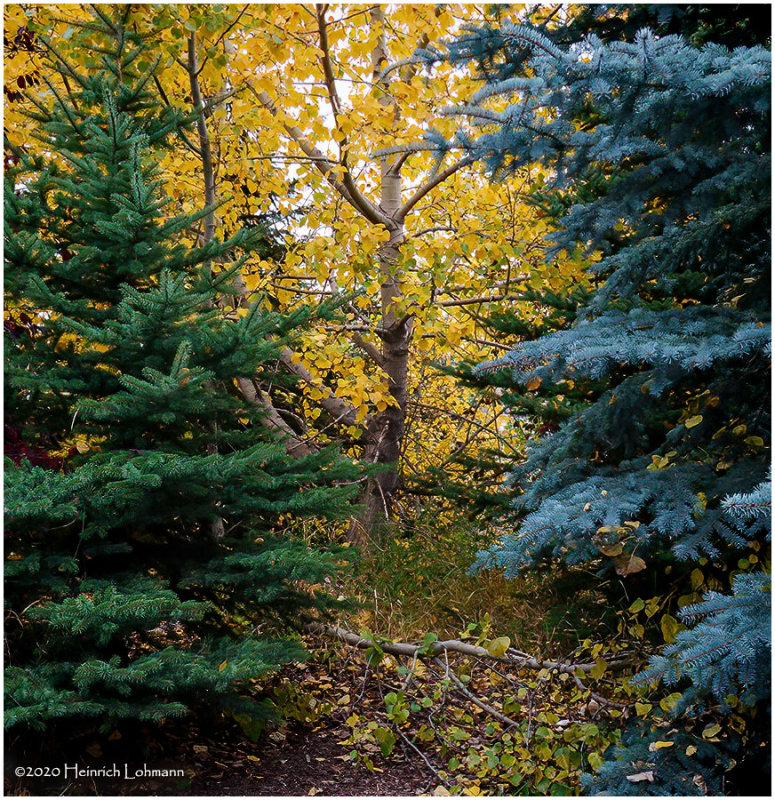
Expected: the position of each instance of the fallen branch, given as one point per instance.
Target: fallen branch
(420, 753)
(409, 650)
(461, 688)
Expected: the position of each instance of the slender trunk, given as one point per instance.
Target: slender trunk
(386, 428)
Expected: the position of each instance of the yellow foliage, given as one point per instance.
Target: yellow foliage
(468, 239)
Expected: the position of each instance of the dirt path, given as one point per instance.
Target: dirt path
(299, 760)
(310, 762)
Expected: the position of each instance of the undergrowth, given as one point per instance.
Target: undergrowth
(419, 581)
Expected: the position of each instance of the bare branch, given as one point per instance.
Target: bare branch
(471, 301)
(371, 350)
(431, 184)
(395, 167)
(191, 146)
(328, 70)
(432, 650)
(468, 421)
(404, 62)
(208, 172)
(408, 149)
(345, 186)
(461, 688)
(294, 445)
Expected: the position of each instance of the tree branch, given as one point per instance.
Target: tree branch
(335, 406)
(328, 70)
(345, 187)
(471, 301)
(208, 173)
(461, 688)
(371, 350)
(191, 146)
(431, 184)
(511, 656)
(294, 445)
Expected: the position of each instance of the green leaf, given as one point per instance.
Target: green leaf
(637, 606)
(386, 739)
(600, 667)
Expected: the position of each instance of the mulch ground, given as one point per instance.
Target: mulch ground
(309, 762)
(291, 759)
(299, 759)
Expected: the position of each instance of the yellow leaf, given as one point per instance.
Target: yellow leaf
(222, 666)
(693, 421)
(641, 709)
(251, 282)
(660, 745)
(498, 647)
(533, 384)
(709, 731)
(670, 628)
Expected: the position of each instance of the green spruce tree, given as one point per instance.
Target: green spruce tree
(139, 573)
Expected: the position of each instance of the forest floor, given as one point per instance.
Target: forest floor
(292, 757)
(338, 731)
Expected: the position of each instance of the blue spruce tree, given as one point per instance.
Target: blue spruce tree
(124, 600)
(657, 152)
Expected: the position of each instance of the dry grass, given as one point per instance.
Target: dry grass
(418, 583)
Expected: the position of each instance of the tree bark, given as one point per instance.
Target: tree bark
(385, 429)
